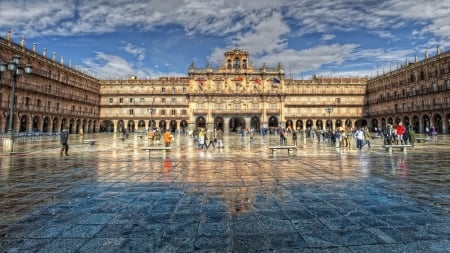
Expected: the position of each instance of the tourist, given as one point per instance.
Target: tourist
(167, 138)
(64, 138)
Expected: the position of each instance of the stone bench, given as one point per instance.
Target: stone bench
(401, 147)
(418, 140)
(288, 148)
(150, 149)
(90, 142)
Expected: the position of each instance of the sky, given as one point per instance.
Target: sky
(155, 38)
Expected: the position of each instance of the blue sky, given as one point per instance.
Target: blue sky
(152, 38)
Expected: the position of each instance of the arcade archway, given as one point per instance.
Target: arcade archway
(236, 123)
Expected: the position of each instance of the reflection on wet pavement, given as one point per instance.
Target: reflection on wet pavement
(115, 197)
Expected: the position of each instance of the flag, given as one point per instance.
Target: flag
(257, 80)
(200, 81)
(238, 78)
(275, 81)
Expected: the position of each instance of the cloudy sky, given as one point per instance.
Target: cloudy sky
(152, 38)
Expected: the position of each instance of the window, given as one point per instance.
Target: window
(174, 112)
(121, 100)
(142, 100)
(73, 108)
(163, 90)
(184, 89)
(162, 112)
(131, 112)
(38, 103)
(111, 100)
(184, 112)
(174, 100)
(174, 90)
(236, 62)
(131, 100)
(27, 101)
(163, 100)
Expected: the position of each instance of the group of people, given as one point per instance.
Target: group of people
(202, 136)
(154, 137)
(399, 134)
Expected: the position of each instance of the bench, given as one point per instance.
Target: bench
(288, 148)
(401, 147)
(423, 139)
(90, 142)
(150, 149)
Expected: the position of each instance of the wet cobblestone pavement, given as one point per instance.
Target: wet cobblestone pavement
(115, 197)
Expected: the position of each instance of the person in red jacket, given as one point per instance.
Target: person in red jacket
(400, 131)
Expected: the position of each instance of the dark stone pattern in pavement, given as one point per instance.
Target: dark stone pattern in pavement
(115, 197)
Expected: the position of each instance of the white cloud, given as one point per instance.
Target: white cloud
(139, 52)
(326, 37)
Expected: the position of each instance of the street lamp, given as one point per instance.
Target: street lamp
(16, 70)
(150, 111)
(329, 109)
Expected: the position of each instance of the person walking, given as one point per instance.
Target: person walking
(212, 139)
(64, 138)
(294, 137)
(367, 136)
(359, 136)
(219, 135)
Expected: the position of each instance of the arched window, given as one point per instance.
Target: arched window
(236, 63)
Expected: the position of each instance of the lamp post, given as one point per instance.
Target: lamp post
(150, 111)
(16, 70)
(329, 109)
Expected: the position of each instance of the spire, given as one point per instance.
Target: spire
(54, 56)
(438, 50)
(44, 53)
(426, 54)
(34, 47)
(22, 42)
(8, 37)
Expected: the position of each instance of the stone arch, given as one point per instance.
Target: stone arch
(255, 123)
(219, 123)
(46, 125)
(273, 122)
(173, 126)
(236, 124)
(200, 122)
(299, 124)
(107, 126)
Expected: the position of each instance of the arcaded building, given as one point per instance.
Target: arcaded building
(235, 95)
(416, 94)
(54, 95)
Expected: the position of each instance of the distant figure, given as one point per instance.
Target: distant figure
(64, 138)
(167, 138)
(219, 135)
(150, 135)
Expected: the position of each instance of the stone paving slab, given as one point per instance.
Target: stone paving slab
(115, 197)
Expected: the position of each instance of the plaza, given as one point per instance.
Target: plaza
(115, 197)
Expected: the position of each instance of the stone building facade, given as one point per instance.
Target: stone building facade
(416, 94)
(233, 96)
(54, 95)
